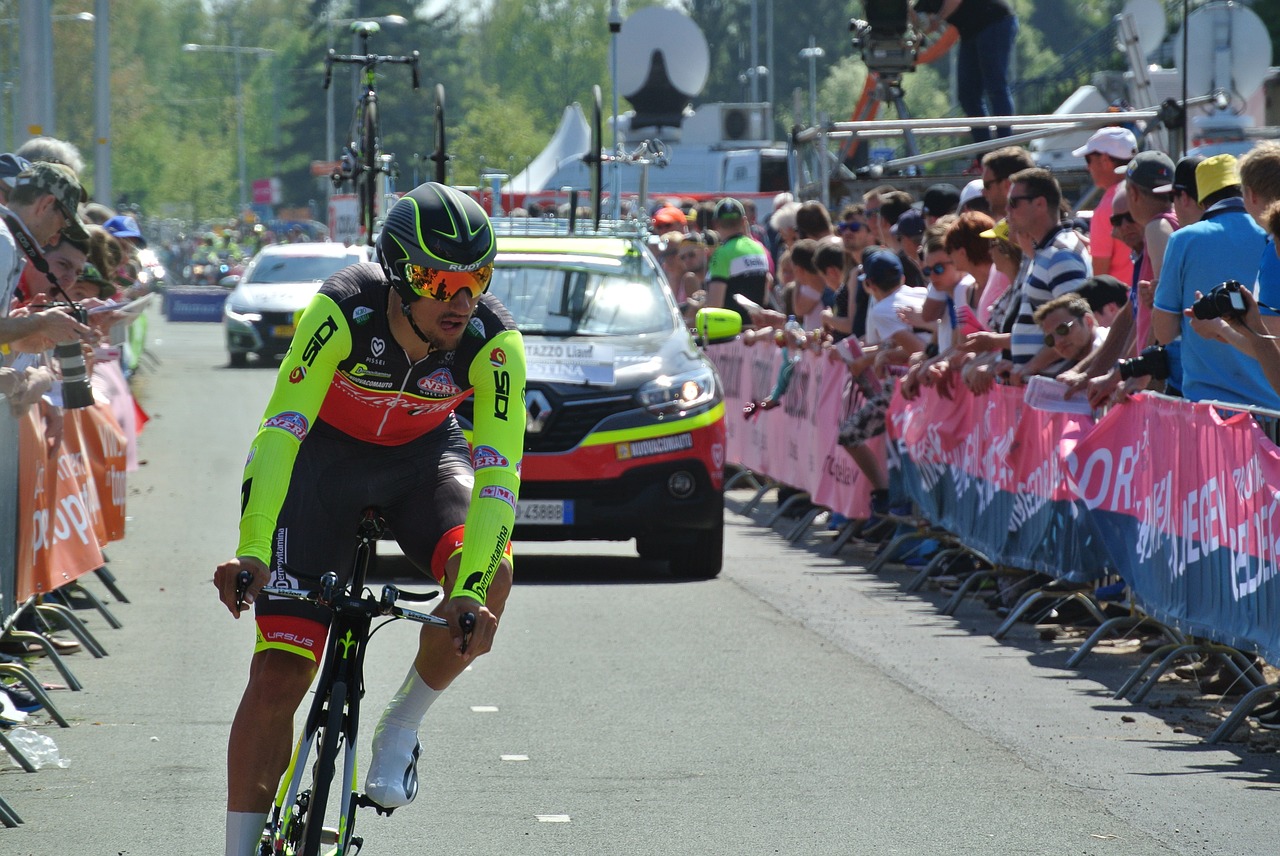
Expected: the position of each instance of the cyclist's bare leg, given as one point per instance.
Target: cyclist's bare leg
(438, 660)
(262, 732)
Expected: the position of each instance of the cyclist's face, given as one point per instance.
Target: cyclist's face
(444, 321)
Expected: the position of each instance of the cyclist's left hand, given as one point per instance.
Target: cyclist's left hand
(480, 640)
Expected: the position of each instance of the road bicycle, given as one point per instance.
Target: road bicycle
(296, 822)
(362, 160)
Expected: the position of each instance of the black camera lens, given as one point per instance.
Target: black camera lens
(76, 391)
(1224, 301)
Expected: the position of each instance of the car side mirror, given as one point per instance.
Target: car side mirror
(715, 326)
(229, 281)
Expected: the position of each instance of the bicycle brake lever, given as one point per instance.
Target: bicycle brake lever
(243, 579)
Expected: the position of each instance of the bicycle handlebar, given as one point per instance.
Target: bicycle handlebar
(330, 595)
(369, 62)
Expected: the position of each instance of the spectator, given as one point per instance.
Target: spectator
(806, 299)
(1186, 205)
(10, 166)
(857, 235)
(1106, 154)
(890, 341)
(832, 261)
(874, 200)
(813, 221)
(105, 252)
(971, 254)
(906, 234)
(1225, 244)
(953, 290)
(1070, 327)
(1260, 184)
(52, 150)
(1059, 263)
(988, 29)
(669, 218)
(783, 222)
(739, 265)
(125, 228)
(972, 198)
(1107, 297)
(997, 168)
(1153, 212)
(939, 201)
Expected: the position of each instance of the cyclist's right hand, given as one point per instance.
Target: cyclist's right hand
(226, 579)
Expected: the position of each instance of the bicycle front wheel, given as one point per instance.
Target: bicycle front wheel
(369, 141)
(313, 833)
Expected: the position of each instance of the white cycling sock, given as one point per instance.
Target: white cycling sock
(244, 832)
(411, 701)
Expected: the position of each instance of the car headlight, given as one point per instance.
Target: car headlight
(675, 393)
(240, 314)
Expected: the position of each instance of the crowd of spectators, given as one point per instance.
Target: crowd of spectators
(1000, 282)
(65, 264)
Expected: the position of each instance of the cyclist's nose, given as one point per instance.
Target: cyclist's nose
(463, 302)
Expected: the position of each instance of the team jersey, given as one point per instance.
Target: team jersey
(345, 373)
(743, 266)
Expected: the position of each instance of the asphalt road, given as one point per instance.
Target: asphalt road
(794, 705)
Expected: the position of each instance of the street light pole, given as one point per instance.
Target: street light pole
(236, 51)
(813, 54)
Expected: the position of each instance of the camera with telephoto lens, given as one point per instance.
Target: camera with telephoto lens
(1153, 362)
(886, 39)
(1224, 301)
(76, 391)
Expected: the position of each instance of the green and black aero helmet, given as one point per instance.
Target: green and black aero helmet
(436, 227)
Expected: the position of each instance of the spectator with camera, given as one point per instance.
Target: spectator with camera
(1225, 245)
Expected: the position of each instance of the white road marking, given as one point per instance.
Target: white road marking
(552, 818)
(484, 708)
(514, 757)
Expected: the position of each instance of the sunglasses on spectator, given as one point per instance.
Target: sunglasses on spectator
(1118, 220)
(1059, 332)
(937, 269)
(850, 226)
(1015, 201)
(447, 284)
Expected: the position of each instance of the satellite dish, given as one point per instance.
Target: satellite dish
(1228, 49)
(1148, 21)
(657, 31)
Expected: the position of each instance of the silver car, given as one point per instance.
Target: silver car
(260, 313)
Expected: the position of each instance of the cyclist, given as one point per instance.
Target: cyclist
(361, 415)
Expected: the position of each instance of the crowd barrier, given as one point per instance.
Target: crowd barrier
(1179, 500)
(194, 303)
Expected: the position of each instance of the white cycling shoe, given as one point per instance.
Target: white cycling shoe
(393, 770)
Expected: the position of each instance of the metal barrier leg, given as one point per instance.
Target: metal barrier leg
(742, 475)
(1143, 666)
(1023, 606)
(750, 507)
(53, 654)
(939, 559)
(71, 622)
(969, 584)
(7, 815)
(787, 504)
(1242, 709)
(28, 680)
(802, 527)
(1169, 653)
(1105, 629)
(109, 580)
(847, 530)
(77, 588)
(886, 555)
(23, 761)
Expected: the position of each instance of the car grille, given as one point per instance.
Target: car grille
(571, 419)
(277, 318)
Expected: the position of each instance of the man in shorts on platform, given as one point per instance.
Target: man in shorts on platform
(362, 415)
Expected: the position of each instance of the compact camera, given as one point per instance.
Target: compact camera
(1224, 301)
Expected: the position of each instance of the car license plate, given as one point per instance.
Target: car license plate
(282, 331)
(545, 512)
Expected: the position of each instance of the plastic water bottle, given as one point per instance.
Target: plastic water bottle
(795, 335)
(39, 749)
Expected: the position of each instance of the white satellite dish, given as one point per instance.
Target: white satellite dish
(1228, 48)
(1148, 21)
(657, 29)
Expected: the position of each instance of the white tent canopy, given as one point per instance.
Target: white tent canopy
(571, 141)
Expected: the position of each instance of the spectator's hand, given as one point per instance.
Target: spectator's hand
(53, 425)
(979, 377)
(910, 385)
(983, 340)
(1100, 389)
(57, 325)
(911, 316)
(1127, 388)
(12, 383)
(1146, 293)
(1075, 381)
(861, 364)
(224, 580)
(1016, 376)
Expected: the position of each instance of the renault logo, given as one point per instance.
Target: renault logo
(537, 411)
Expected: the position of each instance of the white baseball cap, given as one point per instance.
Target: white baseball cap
(970, 192)
(1115, 141)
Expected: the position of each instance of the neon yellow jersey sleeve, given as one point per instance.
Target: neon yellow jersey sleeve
(321, 342)
(498, 375)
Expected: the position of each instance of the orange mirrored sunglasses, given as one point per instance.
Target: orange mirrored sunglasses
(446, 284)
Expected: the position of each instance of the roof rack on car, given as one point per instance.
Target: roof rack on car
(561, 226)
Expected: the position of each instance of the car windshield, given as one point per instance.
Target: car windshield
(576, 301)
(281, 268)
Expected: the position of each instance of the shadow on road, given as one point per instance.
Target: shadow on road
(549, 569)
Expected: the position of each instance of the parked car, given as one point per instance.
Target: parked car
(625, 427)
(259, 314)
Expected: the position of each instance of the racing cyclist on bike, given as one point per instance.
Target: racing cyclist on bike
(362, 415)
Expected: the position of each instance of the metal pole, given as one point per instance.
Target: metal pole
(755, 51)
(615, 168)
(47, 96)
(102, 190)
(30, 63)
(768, 58)
(244, 166)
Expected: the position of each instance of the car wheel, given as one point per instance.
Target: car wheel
(653, 548)
(702, 558)
(238, 359)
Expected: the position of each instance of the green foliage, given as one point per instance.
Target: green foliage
(497, 133)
